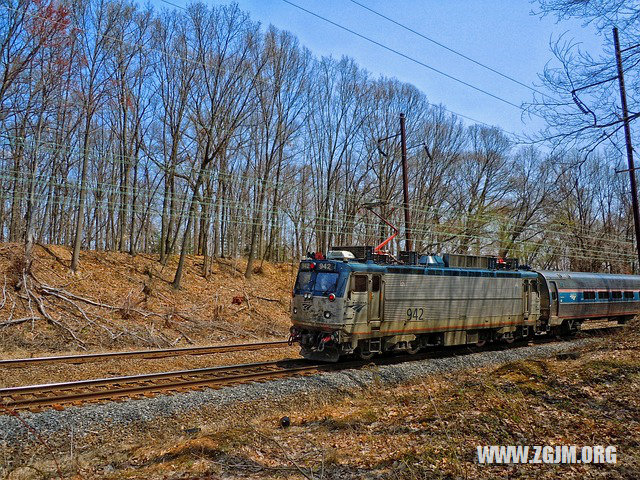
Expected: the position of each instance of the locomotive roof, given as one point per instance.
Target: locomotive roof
(582, 279)
(373, 267)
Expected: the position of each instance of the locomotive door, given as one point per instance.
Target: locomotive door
(553, 301)
(359, 295)
(375, 292)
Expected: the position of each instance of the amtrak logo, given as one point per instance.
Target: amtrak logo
(573, 296)
(358, 307)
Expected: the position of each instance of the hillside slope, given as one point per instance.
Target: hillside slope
(116, 301)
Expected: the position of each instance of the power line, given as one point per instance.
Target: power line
(163, 51)
(10, 174)
(417, 207)
(425, 228)
(239, 206)
(572, 251)
(456, 52)
(466, 117)
(408, 57)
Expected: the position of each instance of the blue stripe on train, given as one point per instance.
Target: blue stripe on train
(578, 297)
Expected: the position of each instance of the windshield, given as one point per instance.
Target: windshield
(304, 281)
(326, 282)
(321, 283)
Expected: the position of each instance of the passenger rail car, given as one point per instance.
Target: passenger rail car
(343, 305)
(569, 298)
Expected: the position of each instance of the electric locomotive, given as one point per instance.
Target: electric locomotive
(356, 301)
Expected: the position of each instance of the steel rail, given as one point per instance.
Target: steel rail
(143, 354)
(58, 395)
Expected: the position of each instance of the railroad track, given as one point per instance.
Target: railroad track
(60, 395)
(140, 354)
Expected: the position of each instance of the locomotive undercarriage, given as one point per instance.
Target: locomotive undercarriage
(331, 345)
(319, 344)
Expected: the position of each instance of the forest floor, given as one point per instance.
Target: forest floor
(116, 301)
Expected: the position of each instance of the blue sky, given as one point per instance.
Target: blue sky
(500, 33)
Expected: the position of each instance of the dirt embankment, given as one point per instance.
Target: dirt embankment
(116, 301)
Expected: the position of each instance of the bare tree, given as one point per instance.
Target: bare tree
(223, 39)
(97, 23)
(280, 85)
(129, 129)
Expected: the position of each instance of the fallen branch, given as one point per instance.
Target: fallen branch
(61, 293)
(268, 299)
(146, 314)
(186, 337)
(82, 312)
(246, 297)
(309, 476)
(53, 321)
(4, 293)
(17, 321)
(50, 290)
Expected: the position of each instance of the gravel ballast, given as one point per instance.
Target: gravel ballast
(90, 418)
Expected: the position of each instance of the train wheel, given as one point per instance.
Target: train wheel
(366, 355)
(413, 348)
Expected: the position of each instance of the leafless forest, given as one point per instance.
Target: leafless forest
(198, 131)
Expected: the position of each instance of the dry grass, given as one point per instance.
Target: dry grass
(13, 377)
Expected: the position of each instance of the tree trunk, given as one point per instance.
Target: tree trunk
(77, 243)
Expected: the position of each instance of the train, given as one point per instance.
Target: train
(354, 301)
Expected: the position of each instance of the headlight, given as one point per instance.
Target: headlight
(295, 310)
(327, 314)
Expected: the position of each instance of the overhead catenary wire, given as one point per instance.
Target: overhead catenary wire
(466, 117)
(427, 229)
(408, 57)
(107, 189)
(452, 50)
(570, 251)
(10, 175)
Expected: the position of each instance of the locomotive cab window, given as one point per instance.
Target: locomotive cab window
(304, 282)
(359, 283)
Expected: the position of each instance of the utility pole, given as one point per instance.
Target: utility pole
(627, 137)
(405, 184)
